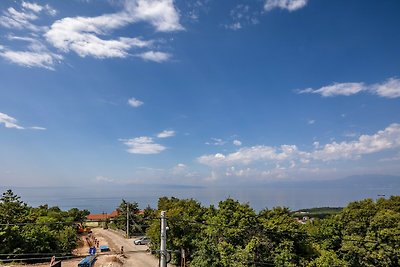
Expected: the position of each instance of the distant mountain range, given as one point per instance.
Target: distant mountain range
(369, 181)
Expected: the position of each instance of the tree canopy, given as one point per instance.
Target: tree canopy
(366, 233)
(26, 232)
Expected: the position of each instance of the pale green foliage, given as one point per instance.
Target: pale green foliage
(328, 259)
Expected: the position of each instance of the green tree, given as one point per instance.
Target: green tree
(288, 241)
(135, 221)
(184, 221)
(227, 231)
(12, 209)
(26, 230)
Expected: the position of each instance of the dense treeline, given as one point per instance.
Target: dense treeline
(365, 233)
(27, 232)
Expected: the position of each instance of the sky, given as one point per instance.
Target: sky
(203, 92)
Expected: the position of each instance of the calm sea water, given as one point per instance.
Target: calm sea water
(104, 199)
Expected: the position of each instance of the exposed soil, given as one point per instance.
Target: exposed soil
(134, 256)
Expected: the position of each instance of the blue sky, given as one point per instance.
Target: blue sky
(197, 92)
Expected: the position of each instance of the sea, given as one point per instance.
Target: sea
(105, 199)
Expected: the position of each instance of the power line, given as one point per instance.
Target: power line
(40, 258)
(269, 231)
(71, 223)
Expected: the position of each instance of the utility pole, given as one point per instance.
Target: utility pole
(163, 245)
(127, 220)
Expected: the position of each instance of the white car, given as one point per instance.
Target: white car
(142, 241)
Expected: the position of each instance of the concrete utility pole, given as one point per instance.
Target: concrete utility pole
(163, 245)
(127, 220)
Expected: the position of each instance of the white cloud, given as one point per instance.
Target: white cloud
(14, 19)
(310, 122)
(32, 6)
(82, 34)
(237, 142)
(388, 138)
(162, 14)
(9, 122)
(250, 155)
(181, 165)
(216, 142)
(387, 89)
(166, 134)
(336, 89)
(242, 15)
(293, 158)
(179, 169)
(88, 36)
(234, 26)
(133, 102)
(104, 179)
(155, 56)
(290, 5)
(143, 145)
(38, 8)
(36, 55)
(32, 58)
(38, 128)
(350, 134)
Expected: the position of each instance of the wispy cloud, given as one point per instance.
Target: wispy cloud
(84, 35)
(290, 5)
(242, 15)
(143, 145)
(166, 134)
(234, 26)
(216, 142)
(237, 142)
(39, 8)
(41, 59)
(14, 19)
(104, 179)
(80, 34)
(38, 128)
(344, 89)
(88, 36)
(9, 122)
(24, 18)
(155, 56)
(388, 89)
(133, 102)
(36, 54)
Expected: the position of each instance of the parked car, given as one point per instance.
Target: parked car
(142, 241)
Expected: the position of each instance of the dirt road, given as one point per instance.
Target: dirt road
(136, 255)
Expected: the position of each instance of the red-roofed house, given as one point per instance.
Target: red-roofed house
(94, 220)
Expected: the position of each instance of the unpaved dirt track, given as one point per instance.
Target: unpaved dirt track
(136, 255)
